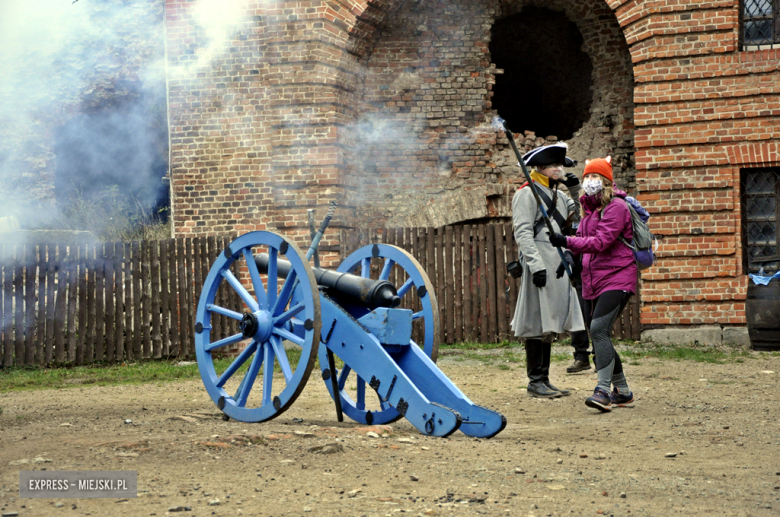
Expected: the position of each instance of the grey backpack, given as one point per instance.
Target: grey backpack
(642, 244)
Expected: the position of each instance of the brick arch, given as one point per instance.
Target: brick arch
(451, 156)
(764, 154)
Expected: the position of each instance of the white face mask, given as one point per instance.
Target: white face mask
(592, 186)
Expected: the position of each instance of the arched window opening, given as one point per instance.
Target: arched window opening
(546, 84)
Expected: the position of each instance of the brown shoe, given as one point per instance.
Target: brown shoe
(578, 366)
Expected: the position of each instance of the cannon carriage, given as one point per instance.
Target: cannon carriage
(294, 313)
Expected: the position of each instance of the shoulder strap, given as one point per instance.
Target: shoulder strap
(633, 230)
(552, 211)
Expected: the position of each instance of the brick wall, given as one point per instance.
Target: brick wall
(433, 157)
(703, 110)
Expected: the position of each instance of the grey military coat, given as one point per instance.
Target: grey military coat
(553, 309)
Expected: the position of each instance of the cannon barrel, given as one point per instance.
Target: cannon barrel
(352, 288)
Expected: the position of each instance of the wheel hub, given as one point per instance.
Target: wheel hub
(256, 325)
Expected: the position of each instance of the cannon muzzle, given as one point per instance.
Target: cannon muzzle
(352, 288)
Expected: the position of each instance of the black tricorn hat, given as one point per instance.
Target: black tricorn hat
(549, 154)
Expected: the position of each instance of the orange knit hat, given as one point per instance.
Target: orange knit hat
(602, 166)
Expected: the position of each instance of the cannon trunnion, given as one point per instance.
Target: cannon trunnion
(294, 313)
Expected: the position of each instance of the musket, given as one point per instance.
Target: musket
(531, 184)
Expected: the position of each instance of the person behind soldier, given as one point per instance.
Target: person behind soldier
(547, 303)
(579, 340)
(609, 275)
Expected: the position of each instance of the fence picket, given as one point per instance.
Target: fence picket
(501, 284)
(483, 287)
(72, 303)
(490, 270)
(198, 260)
(29, 304)
(82, 303)
(100, 322)
(449, 287)
(119, 308)
(89, 338)
(18, 282)
(511, 254)
(40, 313)
(146, 309)
(467, 297)
(138, 331)
(476, 299)
(458, 301)
(173, 299)
(50, 305)
(8, 352)
(60, 301)
(439, 282)
(187, 308)
(165, 310)
(154, 259)
(110, 257)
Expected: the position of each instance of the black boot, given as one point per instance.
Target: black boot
(533, 359)
(579, 341)
(546, 353)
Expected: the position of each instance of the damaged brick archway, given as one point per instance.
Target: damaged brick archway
(384, 106)
(422, 151)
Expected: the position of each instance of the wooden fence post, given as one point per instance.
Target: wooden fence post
(154, 258)
(100, 308)
(146, 310)
(173, 298)
(40, 312)
(110, 261)
(8, 302)
(457, 254)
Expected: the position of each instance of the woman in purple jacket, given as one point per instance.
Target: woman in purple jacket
(609, 276)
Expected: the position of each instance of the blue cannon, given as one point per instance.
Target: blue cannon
(294, 313)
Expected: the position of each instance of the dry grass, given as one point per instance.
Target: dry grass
(111, 216)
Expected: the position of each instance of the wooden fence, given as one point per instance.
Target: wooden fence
(467, 266)
(137, 300)
(106, 301)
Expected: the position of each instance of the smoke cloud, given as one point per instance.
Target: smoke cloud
(82, 103)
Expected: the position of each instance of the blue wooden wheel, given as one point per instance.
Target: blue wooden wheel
(395, 265)
(271, 317)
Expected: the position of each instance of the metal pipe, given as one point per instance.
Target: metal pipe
(318, 236)
(312, 234)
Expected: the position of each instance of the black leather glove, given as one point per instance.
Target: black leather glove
(557, 240)
(570, 180)
(561, 268)
(540, 278)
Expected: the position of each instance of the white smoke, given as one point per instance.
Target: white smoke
(217, 22)
(83, 90)
(79, 73)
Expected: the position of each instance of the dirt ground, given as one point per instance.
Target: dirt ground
(554, 457)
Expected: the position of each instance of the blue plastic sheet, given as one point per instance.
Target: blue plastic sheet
(764, 280)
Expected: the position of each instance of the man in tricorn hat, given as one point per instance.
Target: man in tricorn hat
(547, 304)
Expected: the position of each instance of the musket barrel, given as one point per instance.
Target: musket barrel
(364, 291)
